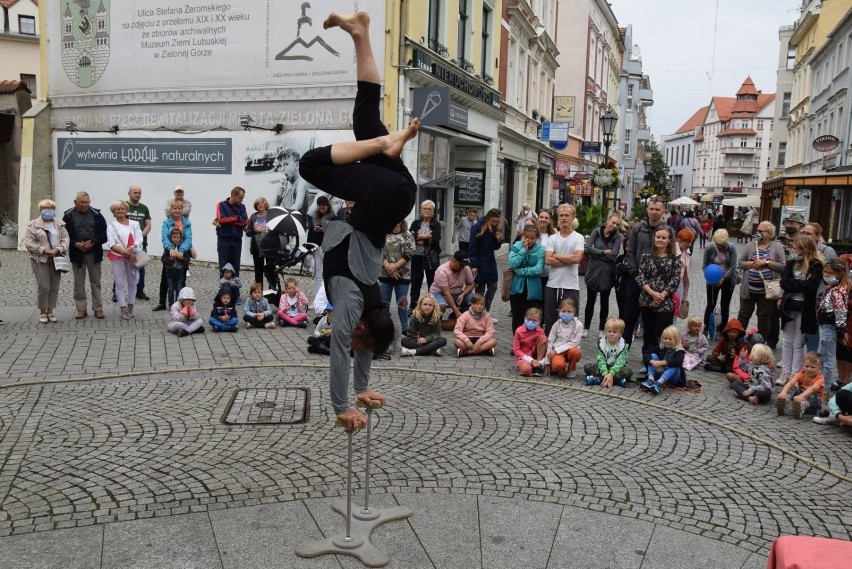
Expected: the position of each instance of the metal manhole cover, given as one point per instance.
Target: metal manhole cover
(287, 406)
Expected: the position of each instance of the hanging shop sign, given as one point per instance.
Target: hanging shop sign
(826, 143)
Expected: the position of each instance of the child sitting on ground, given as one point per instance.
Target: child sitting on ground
(757, 386)
(258, 312)
(805, 390)
(320, 342)
(742, 363)
(183, 316)
(530, 344)
(223, 317)
(563, 343)
(294, 305)
(839, 411)
(611, 357)
(474, 330)
(667, 367)
(727, 348)
(694, 341)
(175, 265)
(424, 330)
(231, 281)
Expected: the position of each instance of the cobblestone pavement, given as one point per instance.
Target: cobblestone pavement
(108, 421)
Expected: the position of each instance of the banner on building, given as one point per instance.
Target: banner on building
(563, 109)
(106, 46)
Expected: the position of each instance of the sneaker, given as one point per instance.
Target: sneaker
(585, 333)
(143, 296)
(646, 385)
(799, 409)
(406, 352)
(232, 328)
(656, 387)
(459, 352)
(494, 320)
(181, 333)
(713, 367)
(491, 351)
(50, 318)
(592, 380)
(439, 352)
(217, 330)
(158, 308)
(571, 374)
(537, 372)
(835, 386)
(622, 382)
(247, 325)
(780, 405)
(269, 325)
(43, 318)
(303, 324)
(783, 379)
(824, 417)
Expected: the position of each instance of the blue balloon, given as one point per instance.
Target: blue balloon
(713, 274)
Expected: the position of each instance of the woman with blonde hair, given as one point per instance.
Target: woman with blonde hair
(724, 254)
(124, 239)
(46, 238)
(800, 280)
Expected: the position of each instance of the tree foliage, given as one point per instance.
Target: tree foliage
(657, 177)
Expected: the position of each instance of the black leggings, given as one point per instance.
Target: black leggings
(418, 270)
(381, 187)
(590, 307)
(712, 298)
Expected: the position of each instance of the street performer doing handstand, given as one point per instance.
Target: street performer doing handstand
(369, 172)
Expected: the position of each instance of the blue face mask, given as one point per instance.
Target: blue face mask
(48, 213)
(566, 317)
(530, 324)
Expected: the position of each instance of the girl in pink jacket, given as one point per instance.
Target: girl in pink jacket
(475, 330)
(530, 344)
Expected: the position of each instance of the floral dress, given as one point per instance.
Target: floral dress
(661, 274)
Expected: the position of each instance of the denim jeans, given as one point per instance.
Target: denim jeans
(828, 351)
(230, 251)
(400, 290)
(174, 282)
(669, 375)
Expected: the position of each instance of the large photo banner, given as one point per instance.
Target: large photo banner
(207, 166)
(111, 46)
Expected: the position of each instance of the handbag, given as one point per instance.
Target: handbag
(683, 313)
(691, 361)
(432, 259)
(61, 263)
(771, 286)
(508, 275)
(142, 259)
(676, 303)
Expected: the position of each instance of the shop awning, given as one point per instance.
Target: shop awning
(745, 201)
(450, 180)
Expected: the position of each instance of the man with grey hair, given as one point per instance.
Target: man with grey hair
(87, 232)
(187, 206)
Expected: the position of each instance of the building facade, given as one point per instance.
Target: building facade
(19, 43)
(634, 96)
(591, 51)
(528, 62)
(783, 100)
(678, 151)
(732, 145)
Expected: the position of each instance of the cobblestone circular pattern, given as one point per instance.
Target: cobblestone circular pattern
(108, 451)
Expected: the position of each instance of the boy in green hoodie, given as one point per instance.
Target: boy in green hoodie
(611, 357)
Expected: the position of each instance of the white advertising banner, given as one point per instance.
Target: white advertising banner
(107, 46)
(207, 166)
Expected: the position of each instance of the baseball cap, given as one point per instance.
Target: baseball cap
(461, 257)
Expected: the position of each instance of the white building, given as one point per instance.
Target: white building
(783, 99)
(634, 96)
(732, 146)
(679, 154)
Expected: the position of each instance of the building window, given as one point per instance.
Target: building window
(791, 57)
(26, 25)
(435, 20)
(785, 105)
(782, 154)
(758, 143)
(486, 41)
(759, 125)
(30, 82)
(462, 37)
(630, 96)
(743, 143)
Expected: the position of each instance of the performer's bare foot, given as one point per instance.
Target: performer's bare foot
(369, 398)
(353, 418)
(352, 24)
(396, 141)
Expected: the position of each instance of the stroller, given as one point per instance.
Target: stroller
(285, 245)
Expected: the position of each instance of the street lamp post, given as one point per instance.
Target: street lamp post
(608, 121)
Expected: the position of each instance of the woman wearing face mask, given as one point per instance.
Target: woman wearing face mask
(800, 280)
(761, 262)
(45, 238)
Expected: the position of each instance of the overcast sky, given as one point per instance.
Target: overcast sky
(677, 38)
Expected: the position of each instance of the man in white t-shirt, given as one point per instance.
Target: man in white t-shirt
(563, 254)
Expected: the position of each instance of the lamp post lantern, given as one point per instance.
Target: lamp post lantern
(608, 121)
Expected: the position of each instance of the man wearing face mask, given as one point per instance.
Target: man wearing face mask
(792, 225)
(521, 220)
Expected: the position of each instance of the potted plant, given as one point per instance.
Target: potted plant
(535, 114)
(588, 218)
(8, 232)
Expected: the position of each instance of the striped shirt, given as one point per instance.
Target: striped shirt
(755, 282)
